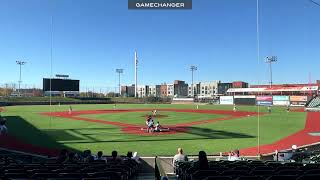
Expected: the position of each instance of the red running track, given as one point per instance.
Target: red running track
(299, 138)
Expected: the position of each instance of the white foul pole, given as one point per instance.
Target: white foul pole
(135, 74)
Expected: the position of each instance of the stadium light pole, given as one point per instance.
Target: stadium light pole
(119, 71)
(270, 60)
(192, 68)
(20, 63)
(135, 74)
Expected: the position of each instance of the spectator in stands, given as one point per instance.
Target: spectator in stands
(287, 156)
(136, 157)
(179, 157)
(202, 163)
(63, 155)
(234, 155)
(87, 156)
(84, 155)
(100, 157)
(115, 157)
(129, 155)
(71, 158)
(3, 127)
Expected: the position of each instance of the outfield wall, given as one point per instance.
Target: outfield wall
(298, 100)
(266, 100)
(182, 101)
(227, 100)
(245, 100)
(53, 103)
(281, 100)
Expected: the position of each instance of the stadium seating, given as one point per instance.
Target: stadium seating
(13, 169)
(248, 170)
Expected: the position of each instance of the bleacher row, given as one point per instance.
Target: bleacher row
(11, 169)
(249, 170)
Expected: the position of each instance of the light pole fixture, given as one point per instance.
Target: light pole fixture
(20, 63)
(135, 74)
(119, 71)
(270, 60)
(192, 68)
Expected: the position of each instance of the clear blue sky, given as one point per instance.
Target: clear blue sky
(94, 37)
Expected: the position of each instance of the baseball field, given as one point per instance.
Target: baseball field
(213, 128)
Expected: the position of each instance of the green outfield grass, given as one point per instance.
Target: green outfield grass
(26, 123)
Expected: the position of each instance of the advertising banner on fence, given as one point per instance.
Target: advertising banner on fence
(244, 101)
(226, 99)
(264, 103)
(245, 96)
(295, 103)
(264, 98)
(299, 98)
(183, 99)
(280, 98)
(281, 103)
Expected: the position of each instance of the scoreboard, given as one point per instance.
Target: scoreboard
(60, 85)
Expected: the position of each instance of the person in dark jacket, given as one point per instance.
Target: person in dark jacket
(202, 163)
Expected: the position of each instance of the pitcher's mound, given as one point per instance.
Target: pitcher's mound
(142, 130)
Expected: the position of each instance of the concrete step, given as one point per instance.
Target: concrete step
(172, 176)
(150, 176)
(145, 176)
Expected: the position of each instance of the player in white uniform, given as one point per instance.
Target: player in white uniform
(154, 112)
(70, 110)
